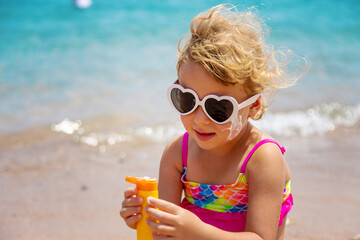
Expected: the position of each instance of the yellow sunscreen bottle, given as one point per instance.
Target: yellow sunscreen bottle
(147, 187)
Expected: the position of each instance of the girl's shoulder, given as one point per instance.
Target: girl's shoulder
(267, 158)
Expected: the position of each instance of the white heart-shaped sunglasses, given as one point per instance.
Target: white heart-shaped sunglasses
(220, 109)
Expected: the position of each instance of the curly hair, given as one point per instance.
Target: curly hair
(230, 46)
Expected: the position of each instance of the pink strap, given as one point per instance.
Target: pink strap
(185, 148)
(243, 167)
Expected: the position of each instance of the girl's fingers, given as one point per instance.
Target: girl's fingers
(133, 220)
(132, 202)
(160, 215)
(161, 228)
(163, 205)
(162, 237)
(126, 212)
(130, 192)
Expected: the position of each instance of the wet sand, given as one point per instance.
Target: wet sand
(325, 181)
(55, 187)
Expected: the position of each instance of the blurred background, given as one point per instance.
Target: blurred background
(83, 87)
(58, 61)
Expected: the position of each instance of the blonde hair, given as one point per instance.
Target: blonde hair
(230, 46)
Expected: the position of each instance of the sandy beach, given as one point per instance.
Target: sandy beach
(55, 187)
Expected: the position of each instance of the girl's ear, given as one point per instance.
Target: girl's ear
(255, 107)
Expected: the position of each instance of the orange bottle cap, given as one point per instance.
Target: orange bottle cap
(143, 183)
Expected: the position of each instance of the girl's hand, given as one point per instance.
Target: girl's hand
(131, 207)
(174, 222)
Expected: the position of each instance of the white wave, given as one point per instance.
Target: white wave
(67, 126)
(316, 120)
(160, 133)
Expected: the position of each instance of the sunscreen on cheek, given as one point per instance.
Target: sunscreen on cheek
(235, 127)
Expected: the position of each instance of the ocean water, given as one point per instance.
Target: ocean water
(61, 65)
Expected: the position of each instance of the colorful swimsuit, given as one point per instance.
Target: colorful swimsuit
(225, 206)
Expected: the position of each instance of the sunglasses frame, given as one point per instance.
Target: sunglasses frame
(198, 102)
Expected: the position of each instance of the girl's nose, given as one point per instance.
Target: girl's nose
(200, 117)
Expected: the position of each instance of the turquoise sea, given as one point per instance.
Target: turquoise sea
(60, 62)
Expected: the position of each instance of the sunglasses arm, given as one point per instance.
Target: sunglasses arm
(248, 101)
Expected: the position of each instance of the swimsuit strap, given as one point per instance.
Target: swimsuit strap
(243, 167)
(185, 148)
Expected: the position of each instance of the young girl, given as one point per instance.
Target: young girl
(235, 180)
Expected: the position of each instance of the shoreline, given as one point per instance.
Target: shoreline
(56, 186)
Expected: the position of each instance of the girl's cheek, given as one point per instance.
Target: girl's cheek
(186, 121)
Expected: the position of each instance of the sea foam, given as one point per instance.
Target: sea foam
(319, 119)
(315, 120)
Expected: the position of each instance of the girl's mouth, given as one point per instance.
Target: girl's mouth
(204, 136)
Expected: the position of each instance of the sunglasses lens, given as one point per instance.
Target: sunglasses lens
(183, 102)
(220, 111)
